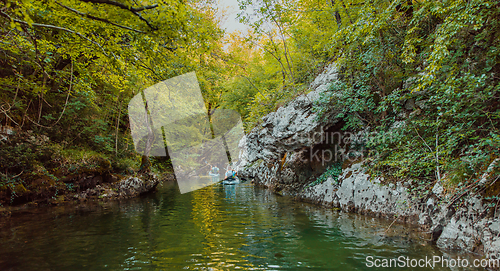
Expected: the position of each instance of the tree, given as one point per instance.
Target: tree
(69, 67)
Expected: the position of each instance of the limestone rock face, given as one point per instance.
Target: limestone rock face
(355, 192)
(284, 138)
(470, 230)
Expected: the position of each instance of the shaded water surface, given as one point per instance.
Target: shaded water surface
(216, 228)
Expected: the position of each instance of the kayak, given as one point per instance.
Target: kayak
(213, 174)
(231, 181)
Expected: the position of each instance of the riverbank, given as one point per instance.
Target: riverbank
(79, 187)
(118, 188)
(295, 153)
(38, 170)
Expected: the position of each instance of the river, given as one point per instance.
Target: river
(239, 227)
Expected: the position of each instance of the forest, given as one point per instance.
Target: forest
(68, 69)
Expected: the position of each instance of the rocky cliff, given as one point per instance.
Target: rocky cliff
(292, 148)
(282, 152)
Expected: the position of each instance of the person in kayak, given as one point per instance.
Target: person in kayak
(230, 174)
(214, 170)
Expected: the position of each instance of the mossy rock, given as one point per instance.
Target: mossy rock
(104, 165)
(19, 189)
(43, 182)
(97, 165)
(58, 199)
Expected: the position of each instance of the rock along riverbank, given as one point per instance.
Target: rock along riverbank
(282, 155)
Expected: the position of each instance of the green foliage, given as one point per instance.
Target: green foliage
(424, 82)
(161, 165)
(68, 69)
(333, 171)
(274, 62)
(420, 75)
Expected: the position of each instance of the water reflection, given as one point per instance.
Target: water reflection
(221, 227)
(230, 191)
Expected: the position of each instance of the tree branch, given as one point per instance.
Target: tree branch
(135, 11)
(120, 5)
(98, 19)
(67, 97)
(146, 21)
(251, 83)
(54, 27)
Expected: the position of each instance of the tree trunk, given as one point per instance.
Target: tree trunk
(336, 14)
(145, 162)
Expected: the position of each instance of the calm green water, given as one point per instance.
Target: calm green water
(216, 228)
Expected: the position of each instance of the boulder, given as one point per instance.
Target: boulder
(126, 188)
